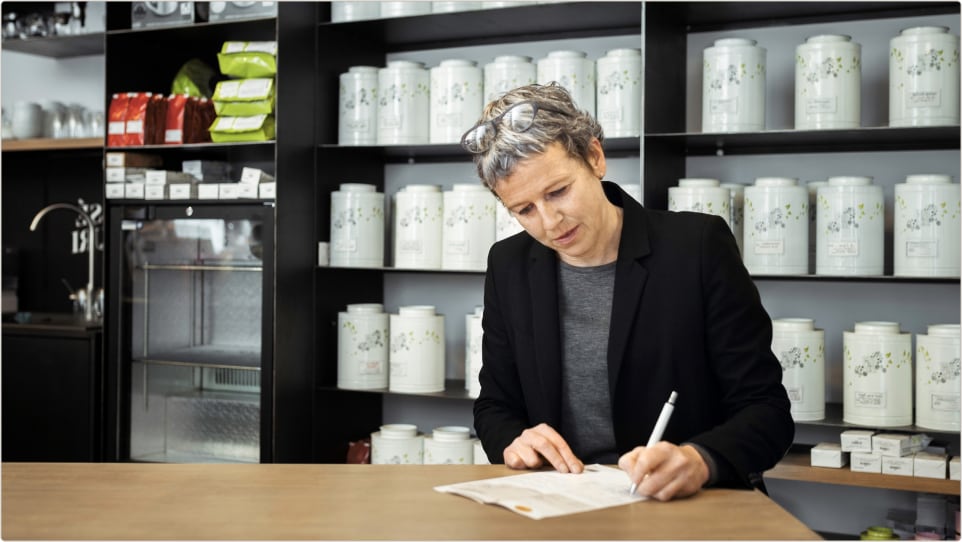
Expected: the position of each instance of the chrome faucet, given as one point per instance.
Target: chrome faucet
(91, 247)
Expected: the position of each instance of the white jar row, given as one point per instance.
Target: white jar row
(432, 229)
(365, 9)
(835, 227)
(923, 82)
(402, 352)
(877, 373)
(405, 103)
(473, 337)
(401, 444)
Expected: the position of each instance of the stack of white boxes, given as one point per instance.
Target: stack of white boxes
(886, 453)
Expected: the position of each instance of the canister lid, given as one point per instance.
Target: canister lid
(944, 330)
(405, 64)
(362, 69)
(920, 30)
(829, 38)
(421, 188)
(697, 183)
(451, 433)
(787, 325)
(776, 181)
(512, 59)
(849, 181)
(457, 63)
(365, 308)
(357, 187)
(567, 54)
(735, 42)
(928, 179)
(889, 328)
(623, 52)
(416, 311)
(399, 430)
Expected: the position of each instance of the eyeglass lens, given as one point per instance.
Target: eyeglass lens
(517, 118)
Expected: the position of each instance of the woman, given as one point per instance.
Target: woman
(602, 308)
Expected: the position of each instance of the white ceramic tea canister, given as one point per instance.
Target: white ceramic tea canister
(507, 72)
(736, 212)
(362, 347)
(828, 81)
(733, 86)
(403, 117)
(851, 227)
(574, 71)
(405, 9)
(474, 334)
(418, 217)
(618, 98)
(417, 350)
(397, 444)
(480, 458)
(877, 375)
(937, 381)
(927, 225)
(354, 11)
(357, 226)
(469, 223)
(813, 221)
(449, 445)
(924, 77)
(800, 348)
(455, 5)
(701, 196)
(633, 190)
(28, 120)
(456, 95)
(506, 224)
(776, 239)
(357, 106)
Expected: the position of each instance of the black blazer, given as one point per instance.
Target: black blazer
(685, 316)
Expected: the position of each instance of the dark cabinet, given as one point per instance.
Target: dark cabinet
(52, 393)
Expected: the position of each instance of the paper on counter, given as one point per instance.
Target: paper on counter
(540, 495)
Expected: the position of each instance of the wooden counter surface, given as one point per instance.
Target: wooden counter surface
(134, 501)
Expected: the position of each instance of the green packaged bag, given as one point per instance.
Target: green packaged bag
(244, 97)
(193, 79)
(247, 59)
(235, 129)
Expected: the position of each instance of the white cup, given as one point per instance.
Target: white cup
(456, 94)
(851, 227)
(800, 348)
(618, 99)
(924, 77)
(927, 227)
(877, 375)
(828, 79)
(733, 86)
(403, 103)
(357, 106)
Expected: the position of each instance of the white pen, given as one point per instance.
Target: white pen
(659, 429)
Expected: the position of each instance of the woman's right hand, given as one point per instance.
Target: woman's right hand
(538, 444)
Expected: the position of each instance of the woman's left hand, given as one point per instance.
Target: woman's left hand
(665, 471)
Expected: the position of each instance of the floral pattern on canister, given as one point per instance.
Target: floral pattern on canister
(796, 357)
(928, 216)
(815, 71)
(849, 218)
(876, 362)
(940, 372)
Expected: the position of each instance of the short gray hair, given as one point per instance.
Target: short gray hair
(573, 128)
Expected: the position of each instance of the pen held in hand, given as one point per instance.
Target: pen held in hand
(659, 429)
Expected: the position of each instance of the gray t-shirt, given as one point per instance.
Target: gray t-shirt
(585, 295)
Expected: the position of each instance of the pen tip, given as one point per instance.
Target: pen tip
(674, 395)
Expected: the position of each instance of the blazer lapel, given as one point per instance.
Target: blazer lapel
(630, 279)
(543, 285)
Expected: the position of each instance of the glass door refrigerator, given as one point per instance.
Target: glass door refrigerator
(191, 332)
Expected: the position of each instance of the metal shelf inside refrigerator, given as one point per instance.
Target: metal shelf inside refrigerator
(208, 355)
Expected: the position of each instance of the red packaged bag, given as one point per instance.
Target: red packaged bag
(116, 119)
(155, 121)
(135, 118)
(174, 127)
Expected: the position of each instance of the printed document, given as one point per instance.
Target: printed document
(546, 494)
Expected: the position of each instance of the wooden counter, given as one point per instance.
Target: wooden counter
(309, 501)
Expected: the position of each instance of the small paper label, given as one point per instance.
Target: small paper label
(135, 126)
(254, 88)
(229, 89)
(249, 123)
(344, 245)
(922, 249)
(154, 191)
(826, 104)
(457, 248)
(772, 247)
(727, 106)
(445, 120)
(398, 369)
(923, 98)
(269, 47)
(370, 368)
(795, 395)
(873, 399)
(611, 115)
(843, 248)
(115, 127)
(173, 136)
(356, 125)
(945, 402)
(179, 191)
(410, 246)
(391, 121)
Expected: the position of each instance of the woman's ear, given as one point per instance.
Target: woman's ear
(596, 158)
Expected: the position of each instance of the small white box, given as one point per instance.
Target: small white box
(208, 191)
(955, 470)
(829, 454)
(155, 191)
(228, 191)
(131, 159)
(207, 170)
(857, 440)
(134, 191)
(159, 176)
(899, 466)
(267, 190)
(255, 176)
(180, 191)
(896, 444)
(246, 191)
(114, 191)
(866, 462)
(929, 465)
